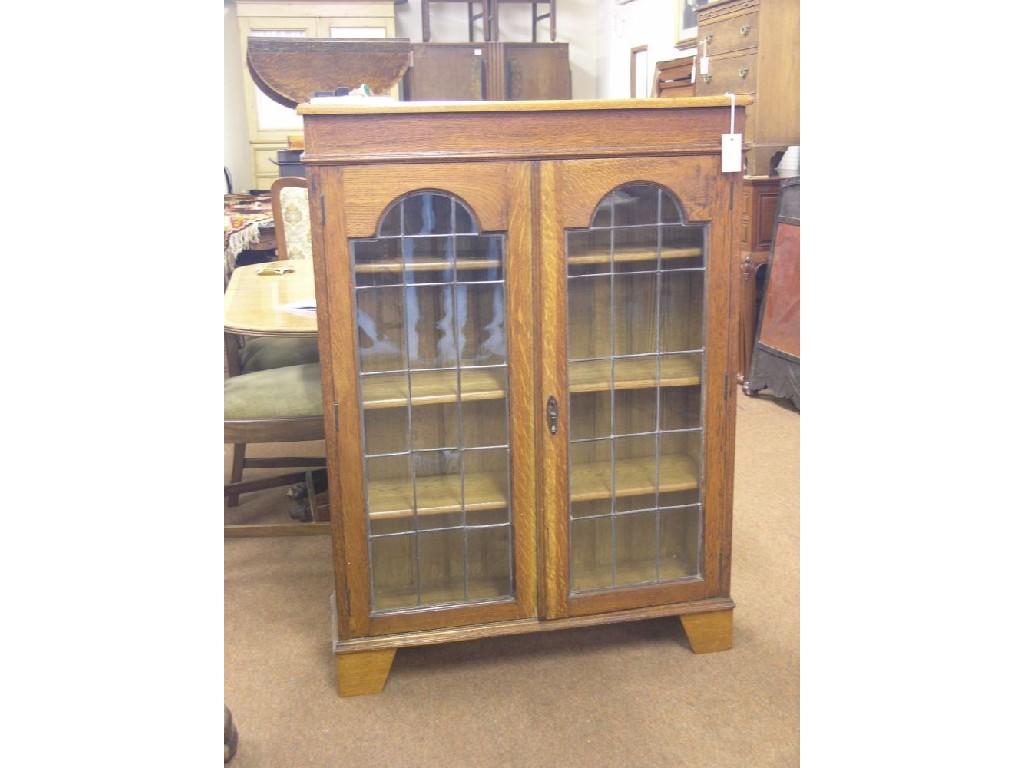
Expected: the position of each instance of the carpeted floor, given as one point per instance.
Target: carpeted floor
(623, 695)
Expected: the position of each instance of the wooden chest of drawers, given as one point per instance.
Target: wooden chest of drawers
(754, 48)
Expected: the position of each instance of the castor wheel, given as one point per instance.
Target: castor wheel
(748, 391)
(230, 736)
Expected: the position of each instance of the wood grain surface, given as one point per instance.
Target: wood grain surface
(254, 303)
(525, 626)
(364, 672)
(555, 162)
(708, 632)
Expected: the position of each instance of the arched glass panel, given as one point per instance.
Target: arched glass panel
(636, 359)
(433, 378)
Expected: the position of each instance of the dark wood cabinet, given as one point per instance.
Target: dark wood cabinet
(445, 71)
(537, 71)
(488, 71)
(759, 199)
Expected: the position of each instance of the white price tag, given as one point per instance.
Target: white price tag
(732, 142)
(703, 66)
(732, 152)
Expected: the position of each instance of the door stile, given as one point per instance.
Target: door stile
(554, 384)
(720, 408)
(522, 377)
(348, 523)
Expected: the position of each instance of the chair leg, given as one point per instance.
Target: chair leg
(237, 465)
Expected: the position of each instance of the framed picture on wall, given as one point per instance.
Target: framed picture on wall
(686, 21)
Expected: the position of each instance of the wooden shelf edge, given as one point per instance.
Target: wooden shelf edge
(628, 256)
(393, 267)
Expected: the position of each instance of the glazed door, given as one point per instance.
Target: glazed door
(634, 283)
(428, 271)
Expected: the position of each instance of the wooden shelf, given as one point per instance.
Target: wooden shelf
(589, 578)
(436, 495)
(388, 390)
(439, 494)
(425, 265)
(628, 254)
(634, 477)
(636, 373)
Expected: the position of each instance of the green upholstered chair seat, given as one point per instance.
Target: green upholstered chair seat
(292, 392)
(261, 353)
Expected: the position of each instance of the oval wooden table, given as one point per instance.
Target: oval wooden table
(258, 305)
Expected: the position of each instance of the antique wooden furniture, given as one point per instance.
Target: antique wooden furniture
(754, 48)
(775, 364)
(272, 394)
(488, 71)
(758, 203)
(489, 16)
(270, 123)
(529, 417)
(293, 70)
(674, 78)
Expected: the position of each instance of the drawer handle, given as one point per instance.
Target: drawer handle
(707, 38)
(744, 71)
(706, 78)
(745, 30)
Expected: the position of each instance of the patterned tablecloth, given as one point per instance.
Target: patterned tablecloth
(244, 217)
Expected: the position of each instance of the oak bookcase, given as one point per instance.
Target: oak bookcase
(524, 321)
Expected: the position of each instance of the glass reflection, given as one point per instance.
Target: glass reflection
(635, 283)
(430, 309)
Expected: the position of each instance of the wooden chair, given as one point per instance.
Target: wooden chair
(289, 198)
(290, 203)
(279, 405)
(272, 394)
(674, 78)
(489, 15)
(537, 16)
(472, 14)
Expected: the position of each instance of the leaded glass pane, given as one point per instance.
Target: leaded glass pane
(635, 283)
(433, 375)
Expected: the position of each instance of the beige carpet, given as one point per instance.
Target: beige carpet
(623, 695)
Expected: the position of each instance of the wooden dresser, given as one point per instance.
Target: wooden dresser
(754, 48)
